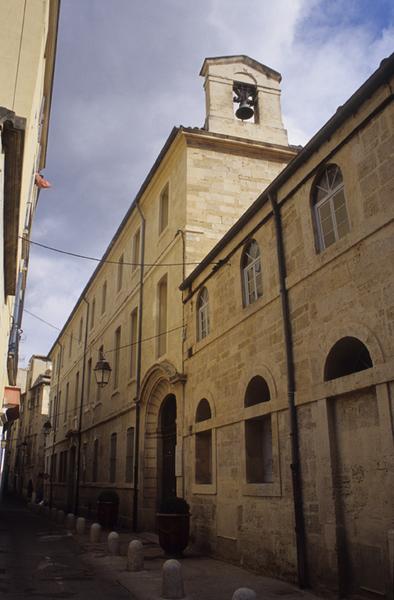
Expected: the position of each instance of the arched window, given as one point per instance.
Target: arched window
(203, 467)
(258, 434)
(329, 206)
(202, 314)
(257, 391)
(203, 412)
(252, 282)
(347, 356)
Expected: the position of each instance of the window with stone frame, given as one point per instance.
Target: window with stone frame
(95, 460)
(202, 314)
(112, 458)
(119, 282)
(104, 297)
(92, 313)
(136, 250)
(258, 434)
(162, 316)
(251, 272)
(117, 357)
(163, 208)
(203, 444)
(129, 455)
(329, 206)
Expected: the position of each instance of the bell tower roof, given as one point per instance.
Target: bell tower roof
(243, 99)
(255, 64)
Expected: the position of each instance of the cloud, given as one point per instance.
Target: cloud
(127, 72)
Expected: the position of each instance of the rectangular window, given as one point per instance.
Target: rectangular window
(112, 458)
(104, 297)
(162, 316)
(120, 273)
(258, 446)
(133, 343)
(92, 314)
(76, 392)
(70, 347)
(89, 380)
(98, 388)
(57, 409)
(80, 330)
(163, 209)
(53, 468)
(84, 461)
(129, 454)
(204, 456)
(117, 357)
(66, 402)
(136, 251)
(95, 460)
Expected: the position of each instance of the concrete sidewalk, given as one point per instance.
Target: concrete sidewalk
(204, 578)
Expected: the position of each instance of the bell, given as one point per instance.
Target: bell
(244, 111)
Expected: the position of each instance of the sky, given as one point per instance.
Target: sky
(127, 72)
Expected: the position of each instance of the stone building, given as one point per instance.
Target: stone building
(289, 365)
(124, 436)
(27, 58)
(26, 440)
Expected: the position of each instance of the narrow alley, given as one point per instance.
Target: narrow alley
(39, 559)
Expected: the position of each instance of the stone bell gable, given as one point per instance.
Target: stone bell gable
(223, 77)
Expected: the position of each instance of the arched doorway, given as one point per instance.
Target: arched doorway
(166, 454)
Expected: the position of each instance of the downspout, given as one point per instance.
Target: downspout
(76, 506)
(182, 233)
(302, 567)
(138, 378)
(56, 416)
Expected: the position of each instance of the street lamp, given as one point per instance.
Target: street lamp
(102, 371)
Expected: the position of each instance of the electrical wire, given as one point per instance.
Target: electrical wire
(111, 349)
(111, 262)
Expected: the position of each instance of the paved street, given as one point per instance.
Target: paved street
(39, 559)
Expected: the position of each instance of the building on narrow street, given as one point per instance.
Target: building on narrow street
(27, 59)
(263, 393)
(26, 440)
(132, 311)
(289, 364)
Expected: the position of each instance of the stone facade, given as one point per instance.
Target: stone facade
(339, 295)
(189, 200)
(27, 58)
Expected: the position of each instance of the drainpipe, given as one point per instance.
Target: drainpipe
(56, 416)
(302, 567)
(76, 505)
(138, 378)
(182, 234)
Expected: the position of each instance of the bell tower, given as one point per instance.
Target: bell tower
(243, 99)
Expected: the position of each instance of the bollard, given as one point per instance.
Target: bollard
(53, 513)
(80, 525)
(135, 556)
(95, 533)
(113, 543)
(172, 583)
(70, 521)
(60, 516)
(244, 594)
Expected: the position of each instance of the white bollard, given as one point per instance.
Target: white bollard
(113, 543)
(95, 533)
(70, 521)
(172, 583)
(135, 556)
(60, 516)
(244, 594)
(80, 525)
